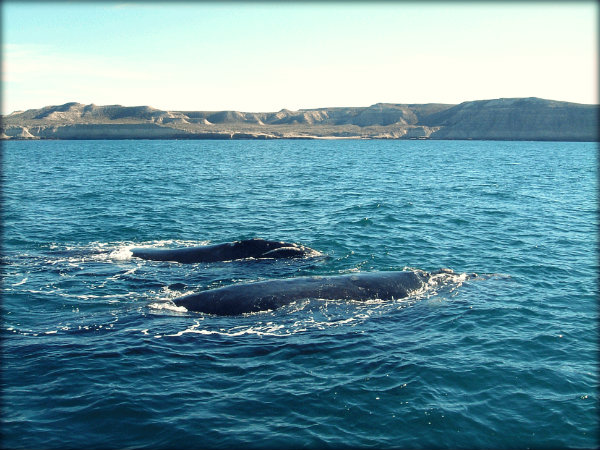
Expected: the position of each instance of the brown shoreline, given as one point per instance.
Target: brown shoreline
(523, 119)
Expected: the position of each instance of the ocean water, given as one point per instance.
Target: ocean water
(95, 355)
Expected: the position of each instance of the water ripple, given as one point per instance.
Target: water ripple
(94, 354)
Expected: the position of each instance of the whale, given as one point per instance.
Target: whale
(229, 251)
(243, 298)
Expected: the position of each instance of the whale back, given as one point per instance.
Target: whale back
(205, 253)
(248, 248)
(243, 298)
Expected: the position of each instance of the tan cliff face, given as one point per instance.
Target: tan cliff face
(502, 119)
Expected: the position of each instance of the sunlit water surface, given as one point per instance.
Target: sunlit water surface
(96, 355)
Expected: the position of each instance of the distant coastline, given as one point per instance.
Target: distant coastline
(499, 119)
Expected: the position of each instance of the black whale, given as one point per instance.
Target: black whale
(243, 298)
(250, 248)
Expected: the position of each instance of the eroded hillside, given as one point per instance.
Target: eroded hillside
(502, 119)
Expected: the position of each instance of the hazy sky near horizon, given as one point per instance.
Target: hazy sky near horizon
(268, 56)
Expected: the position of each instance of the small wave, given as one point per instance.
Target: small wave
(128, 272)
(259, 329)
(23, 281)
(121, 254)
(440, 282)
(163, 302)
(108, 251)
(167, 306)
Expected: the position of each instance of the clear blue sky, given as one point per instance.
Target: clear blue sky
(269, 56)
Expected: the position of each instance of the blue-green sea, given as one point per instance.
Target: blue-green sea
(95, 355)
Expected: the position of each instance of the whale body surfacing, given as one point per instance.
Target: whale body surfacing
(249, 248)
(244, 298)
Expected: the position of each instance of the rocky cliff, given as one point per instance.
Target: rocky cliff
(500, 119)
